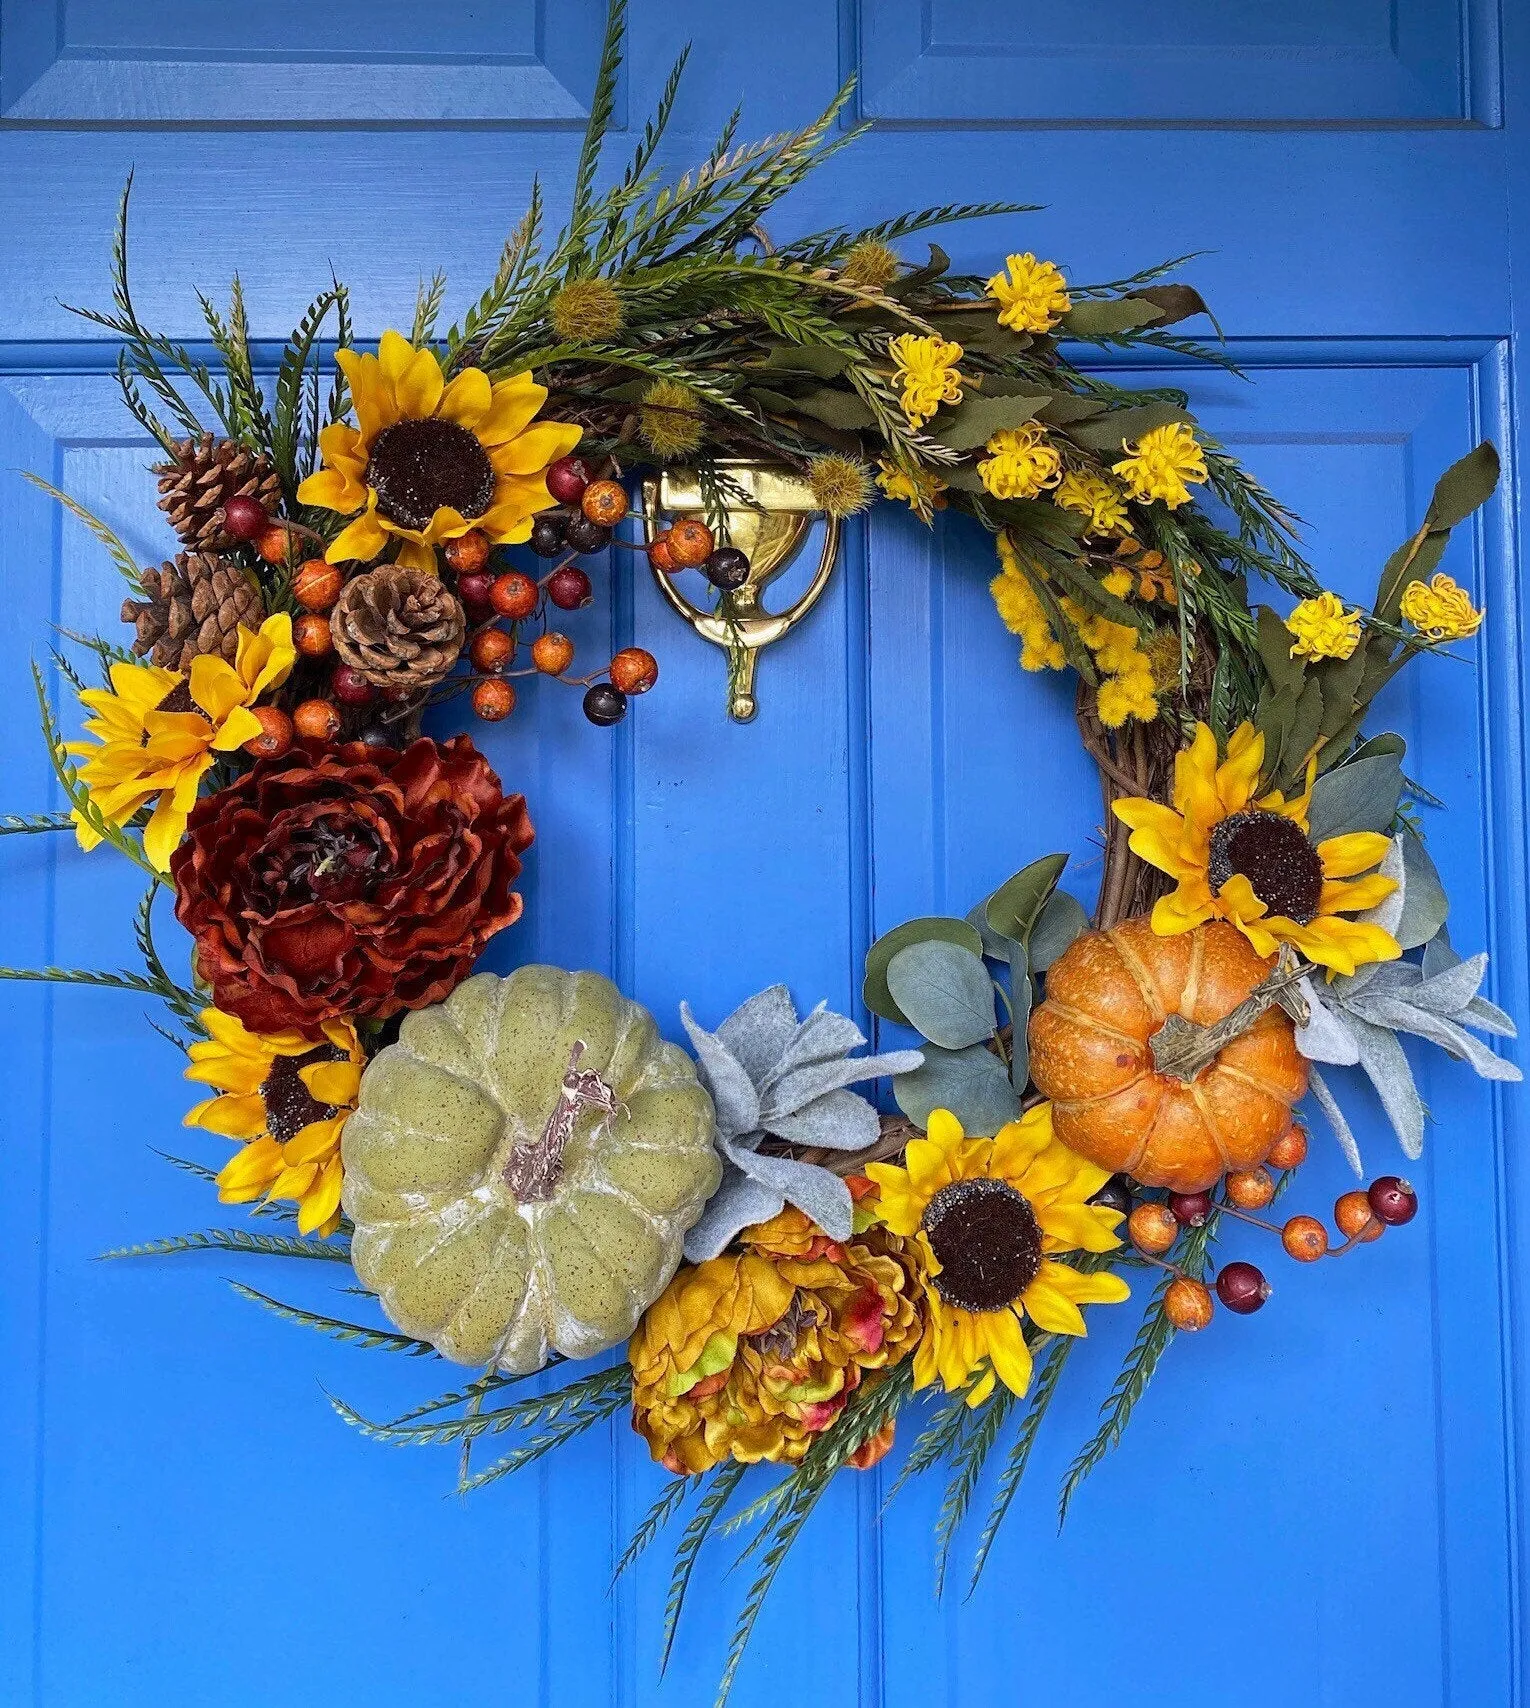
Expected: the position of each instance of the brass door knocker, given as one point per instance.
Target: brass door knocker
(770, 531)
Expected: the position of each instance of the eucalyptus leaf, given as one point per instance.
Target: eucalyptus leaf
(993, 944)
(945, 991)
(971, 1083)
(1361, 794)
(934, 928)
(1021, 997)
(1015, 906)
(1062, 919)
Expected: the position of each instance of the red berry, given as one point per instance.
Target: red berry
(634, 671)
(567, 478)
(245, 518)
(474, 590)
(468, 552)
(1191, 1209)
(350, 687)
(1242, 1288)
(1393, 1201)
(513, 595)
(569, 589)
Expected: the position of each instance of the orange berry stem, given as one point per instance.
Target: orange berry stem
(1244, 1216)
(1356, 1238)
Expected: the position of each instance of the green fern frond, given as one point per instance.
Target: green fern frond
(240, 1240)
(725, 1479)
(969, 1460)
(353, 1334)
(126, 564)
(675, 1493)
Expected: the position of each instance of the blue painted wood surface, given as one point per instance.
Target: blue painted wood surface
(1321, 1504)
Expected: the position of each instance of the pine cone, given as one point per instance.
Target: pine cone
(400, 628)
(201, 478)
(194, 604)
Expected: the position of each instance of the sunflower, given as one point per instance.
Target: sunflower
(1252, 862)
(158, 732)
(989, 1217)
(428, 461)
(287, 1098)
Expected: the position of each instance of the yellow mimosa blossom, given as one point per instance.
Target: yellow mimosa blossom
(1322, 628)
(1163, 461)
(1440, 609)
(921, 489)
(1092, 496)
(991, 1217)
(159, 732)
(1127, 688)
(1022, 612)
(1032, 296)
(1021, 462)
(1252, 862)
(286, 1098)
(926, 373)
(428, 460)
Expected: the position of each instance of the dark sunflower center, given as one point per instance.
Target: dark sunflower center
(177, 700)
(1276, 857)
(290, 1105)
(417, 467)
(987, 1240)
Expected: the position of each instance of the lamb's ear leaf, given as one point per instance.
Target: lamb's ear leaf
(1342, 1131)
(1425, 904)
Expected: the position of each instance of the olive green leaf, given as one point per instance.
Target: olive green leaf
(974, 421)
(1014, 907)
(1102, 318)
(1108, 432)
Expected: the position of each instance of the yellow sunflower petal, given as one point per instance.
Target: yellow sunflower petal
(250, 1170)
(1050, 1309)
(371, 393)
(1080, 1227)
(1238, 775)
(360, 542)
(467, 399)
(1355, 895)
(337, 1083)
(1358, 851)
(513, 405)
(1172, 914)
(418, 387)
(1195, 777)
(1007, 1351)
(1100, 1288)
(320, 1204)
(531, 451)
(314, 1142)
(329, 489)
(413, 555)
(163, 833)
(234, 1116)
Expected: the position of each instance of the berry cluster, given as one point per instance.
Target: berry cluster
(1155, 1224)
(691, 544)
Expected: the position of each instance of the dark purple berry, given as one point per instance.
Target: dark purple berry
(727, 569)
(1115, 1194)
(1393, 1201)
(584, 536)
(605, 705)
(1242, 1288)
(547, 534)
(1191, 1209)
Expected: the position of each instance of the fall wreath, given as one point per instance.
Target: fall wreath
(522, 1171)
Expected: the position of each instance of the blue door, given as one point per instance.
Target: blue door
(1321, 1505)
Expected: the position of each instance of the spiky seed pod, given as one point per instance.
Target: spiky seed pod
(193, 604)
(200, 479)
(870, 263)
(588, 311)
(670, 420)
(399, 628)
(841, 485)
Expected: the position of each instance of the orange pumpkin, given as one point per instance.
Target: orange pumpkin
(1091, 1054)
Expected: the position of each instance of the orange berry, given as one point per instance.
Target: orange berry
(634, 671)
(1153, 1228)
(1187, 1304)
(275, 734)
(1289, 1150)
(1250, 1188)
(468, 552)
(660, 556)
(553, 653)
(605, 502)
(691, 543)
(1352, 1212)
(317, 584)
(317, 720)
(513, 596)
(492, 649)
(494, 699)
(311, 635)
(1305, 1238)
(273, 543)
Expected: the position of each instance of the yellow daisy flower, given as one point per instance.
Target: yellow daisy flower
(1094, 497)
(1252, 862)
(1321, 628)
(287, 1098)
(428, 461)
(990, 1217)
(158, 732)
(1021, 462)
(922, 490)
(1033, 297)
(1440, 609)
(926, 372)
(1163, 461)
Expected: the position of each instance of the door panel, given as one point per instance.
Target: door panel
(1322, 1501)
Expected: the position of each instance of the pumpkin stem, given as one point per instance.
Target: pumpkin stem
(1181, 1048)
(533, 1170)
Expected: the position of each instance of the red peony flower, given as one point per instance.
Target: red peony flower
(348, 882)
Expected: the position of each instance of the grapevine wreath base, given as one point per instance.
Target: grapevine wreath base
(522, 1171)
